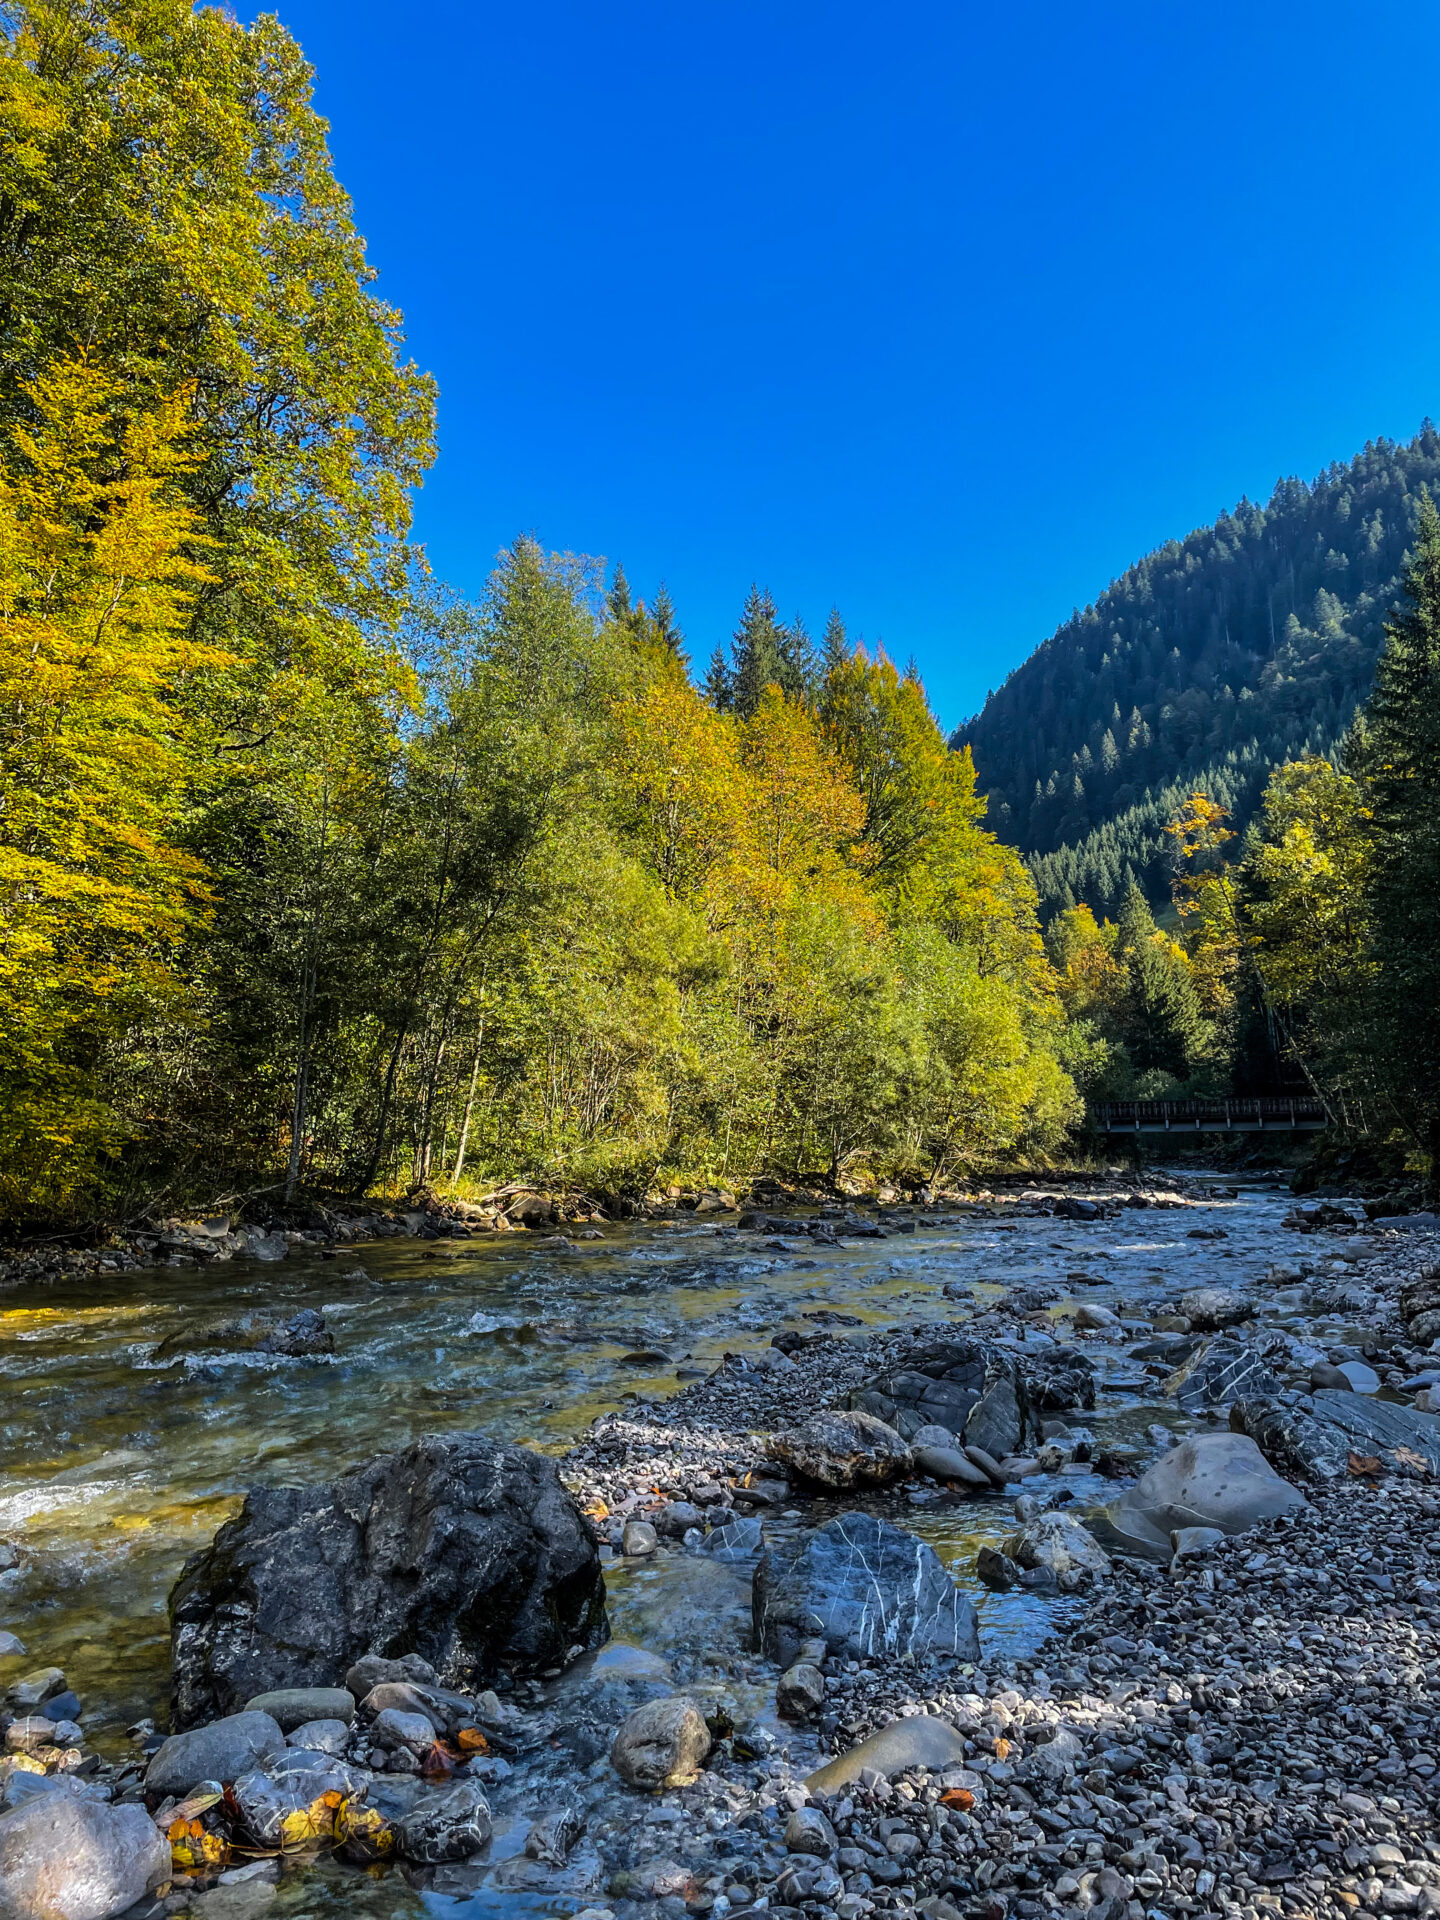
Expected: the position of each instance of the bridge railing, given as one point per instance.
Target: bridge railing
(1208, 1116)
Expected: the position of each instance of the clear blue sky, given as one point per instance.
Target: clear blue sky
(940, 312)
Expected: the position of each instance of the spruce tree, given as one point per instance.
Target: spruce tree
(799, 665)
(1396, 755)
(662, 618)
(618, 599)
(834, 644)
(720, 682)
(758, 652)
(1165, 1024)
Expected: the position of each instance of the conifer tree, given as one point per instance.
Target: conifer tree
(662, 618)
(758, 653)
(719, 682)
(618, 599)
(1397, 755)
(800, 668)
(1166, 1027)
(834, 643)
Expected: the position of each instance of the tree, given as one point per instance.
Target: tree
(1166, 1027)
(1206, 899)
(719, 684)
(1396, 753)
(835, 646)
(167, 197)
(618, 597)
(799, 664)
(100, 565)
(678, 769)
(667, 631)
(758, 654)
(915, 790)
(1302, 909)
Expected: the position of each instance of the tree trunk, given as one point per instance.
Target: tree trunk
(298, 1116)
(469, 1108)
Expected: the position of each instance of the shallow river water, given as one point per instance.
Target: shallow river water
(117, 1461)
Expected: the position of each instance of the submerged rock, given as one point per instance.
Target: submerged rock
(67, 1858)
(1057, 1541)
(553, 1833)
(865, 1588)
(662, 1744)
(997, 1570)
(469, 1553)
(34, 1690)
(1211, 1480)
(305, 1333)
(453, 1825)
(843, 1450)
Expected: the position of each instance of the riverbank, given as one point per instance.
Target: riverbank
(264, 1231)
(1246, 1735)
(1245, 1732)
(1259, 1713)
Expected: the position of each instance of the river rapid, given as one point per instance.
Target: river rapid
(118, 1459)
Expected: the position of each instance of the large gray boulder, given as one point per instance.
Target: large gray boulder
(222, 1751)
(470, 1554)
(63, 1857)
(865, 1588)
(843, 1450)
(979, 1391)
(1210, 1480)
(1317, 1440)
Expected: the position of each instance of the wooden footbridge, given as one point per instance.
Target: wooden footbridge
(1209, 1116)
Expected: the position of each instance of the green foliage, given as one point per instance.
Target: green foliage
(1209, 662)
(312, 877)
(97, 891)
(764, 653)
(1314, 960)
(1396, 757)
(166, 197)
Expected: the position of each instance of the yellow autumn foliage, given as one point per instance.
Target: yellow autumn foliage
(99, 568)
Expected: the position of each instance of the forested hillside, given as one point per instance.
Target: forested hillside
(1210, 661)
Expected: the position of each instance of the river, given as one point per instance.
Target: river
(117, 1460)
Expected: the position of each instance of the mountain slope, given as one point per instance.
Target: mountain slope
(1209, 661)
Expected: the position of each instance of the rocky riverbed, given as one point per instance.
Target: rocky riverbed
(929, 1612)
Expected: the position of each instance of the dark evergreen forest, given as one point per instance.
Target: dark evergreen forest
(1212, 660)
